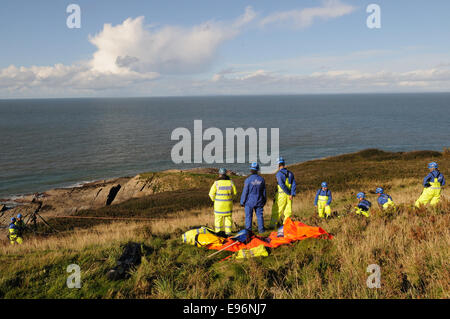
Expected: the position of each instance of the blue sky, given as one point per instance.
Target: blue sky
(222, 47)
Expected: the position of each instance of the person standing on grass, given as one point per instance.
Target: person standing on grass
(282, 204)
(221, 193)
(14, 236)
(254, 198)
(20, 224)
(363, 206)
(384, 200)
(432, 184)
(323, 200)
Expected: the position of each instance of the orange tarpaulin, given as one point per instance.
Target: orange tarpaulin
(293, 231)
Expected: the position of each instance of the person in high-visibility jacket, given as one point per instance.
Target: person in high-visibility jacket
(282, 204)
(323, 200)
(363, 206)
(221, 193)
(385, 201)
(254, 198)
(432, 184)
(14, 233)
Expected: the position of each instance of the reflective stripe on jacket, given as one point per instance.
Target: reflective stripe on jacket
(221, 193)
(321, 194)
(13, 230)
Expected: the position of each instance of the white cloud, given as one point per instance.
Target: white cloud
(248, 16)
(335, 81)
(148, 60)
(130, 53)
(170, 49)
(305, 17)
(77, 76)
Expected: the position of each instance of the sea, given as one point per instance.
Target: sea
(49, 143)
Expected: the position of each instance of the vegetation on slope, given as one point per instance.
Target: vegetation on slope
(411, 246)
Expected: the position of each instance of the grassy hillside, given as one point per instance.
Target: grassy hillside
(411, 246)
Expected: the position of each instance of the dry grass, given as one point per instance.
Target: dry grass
(411, 246)
(78, 240)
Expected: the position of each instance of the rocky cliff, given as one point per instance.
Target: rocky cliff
(67, 201)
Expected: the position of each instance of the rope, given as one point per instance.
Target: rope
(104, 218)
(110, 218)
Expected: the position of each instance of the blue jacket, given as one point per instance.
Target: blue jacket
(430, 178)
(254, 192)
(281, 179)
(364, 205)
(383, 198)
(321, 192)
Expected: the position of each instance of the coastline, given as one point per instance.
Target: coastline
(17, 199)
(97, 194)
(103, 192)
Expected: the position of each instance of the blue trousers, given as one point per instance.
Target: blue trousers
(249, 216)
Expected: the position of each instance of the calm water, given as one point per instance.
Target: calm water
(61, 142)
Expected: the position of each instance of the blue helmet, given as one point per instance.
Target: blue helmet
(361, 195)
(281, 160)
(433, 165)
(379, 190)
(19, 215)
(254, 166)
(324, 184)
(13, 219)
(222, 171)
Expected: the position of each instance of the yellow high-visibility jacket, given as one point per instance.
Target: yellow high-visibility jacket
(221, 193)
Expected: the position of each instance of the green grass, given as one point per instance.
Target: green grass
(308, 269)
(411, 246)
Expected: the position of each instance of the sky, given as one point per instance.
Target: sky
(210, 47)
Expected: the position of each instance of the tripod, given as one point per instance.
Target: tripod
(32, 218)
